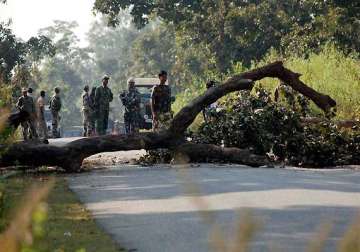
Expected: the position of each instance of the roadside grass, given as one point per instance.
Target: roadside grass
(69, 226)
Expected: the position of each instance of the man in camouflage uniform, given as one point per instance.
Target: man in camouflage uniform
(103, 97)
(93, 114)
(55, 107)
(292, 98)
(161, 104)
(87, 110)
(210, 111)
(26, 104)
(131, 100)
(40, 109)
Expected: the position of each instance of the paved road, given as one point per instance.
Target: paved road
(151, 209)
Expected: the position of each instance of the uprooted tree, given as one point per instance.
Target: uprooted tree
(71, 156)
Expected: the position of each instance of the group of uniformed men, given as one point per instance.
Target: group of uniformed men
(96, 106)
(95, 109)
(34, 124)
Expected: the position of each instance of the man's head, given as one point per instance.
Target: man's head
(105, 80)
(163, 77)
(86, 88)
(24, 91)
(57, 90)
(30, 90)
(42, 93)
(131, 83)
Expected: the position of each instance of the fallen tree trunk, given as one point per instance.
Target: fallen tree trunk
(338, 123)
(70, 157)
(213, 153)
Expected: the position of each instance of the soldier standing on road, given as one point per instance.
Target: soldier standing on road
(87, 112)
(103, 97)
(131, 100)
(161, 104)
(55, 107)
(26, 104)
(210, 111)
(93, 114)
(40, 108)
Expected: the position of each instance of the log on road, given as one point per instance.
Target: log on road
(70, 156)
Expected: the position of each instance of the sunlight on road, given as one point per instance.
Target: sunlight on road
(270, 199)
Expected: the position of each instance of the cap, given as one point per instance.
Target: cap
(162, 73)
(24, 90)
(131, 80)
(106, 77)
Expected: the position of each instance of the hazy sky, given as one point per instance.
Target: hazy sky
(29, 16)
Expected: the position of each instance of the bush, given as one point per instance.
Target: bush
(253, 121)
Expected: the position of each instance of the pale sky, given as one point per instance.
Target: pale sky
(28, 16)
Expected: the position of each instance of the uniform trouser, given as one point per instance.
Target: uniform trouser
(29, 129)
(162, 122)
(87, 125)
(131, 120)
(42, 128)
(55, 124)
(102, 122)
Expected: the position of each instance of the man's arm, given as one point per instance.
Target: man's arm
(19, 103)
(152, 103)
(42, 109)
(111, 96)
(97, 98)
(60, 103)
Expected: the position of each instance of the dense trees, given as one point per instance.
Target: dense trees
(245, 30)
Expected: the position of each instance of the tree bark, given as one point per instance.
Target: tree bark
(213, 153)
(70, 157)
(339, 123)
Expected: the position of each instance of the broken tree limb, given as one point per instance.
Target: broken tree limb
(245, 81)
(70, 156)
(338, 123)
(214, 153)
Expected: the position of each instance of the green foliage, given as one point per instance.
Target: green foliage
(14, 52)
(253, 121)
(330, 72)
(243, 31)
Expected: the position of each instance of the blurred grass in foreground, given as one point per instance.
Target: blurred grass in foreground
(247, 226)
(65, 224)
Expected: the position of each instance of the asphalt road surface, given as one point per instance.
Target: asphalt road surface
(159, 208)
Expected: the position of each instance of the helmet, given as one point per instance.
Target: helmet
(131, 80)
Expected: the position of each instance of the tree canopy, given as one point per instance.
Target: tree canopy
(245, 30)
